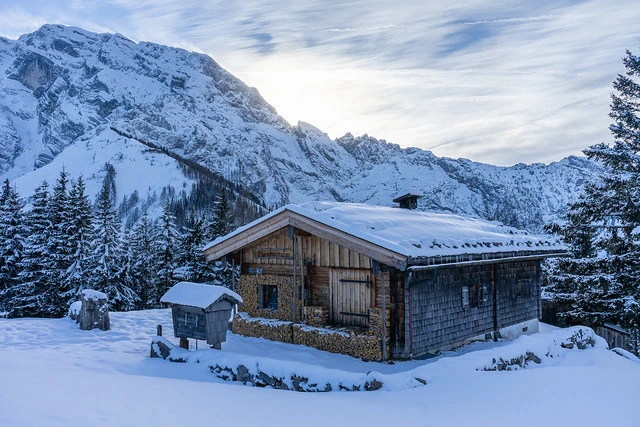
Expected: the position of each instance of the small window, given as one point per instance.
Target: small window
(188, 319)
(523, 288)
(471, 295)
(268, 297)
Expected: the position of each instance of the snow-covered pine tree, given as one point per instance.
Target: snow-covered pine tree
(141, 260)
(12, 235)
(55, 294)
(222, 220)
(601, 282)
(76, 278)
(167, 254)
(193, 265)
(35, 267)
(107, 255)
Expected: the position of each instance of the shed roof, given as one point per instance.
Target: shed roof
(410, 194)
(406, 233)
(198, 295)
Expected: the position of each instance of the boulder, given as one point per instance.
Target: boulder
(95, 311)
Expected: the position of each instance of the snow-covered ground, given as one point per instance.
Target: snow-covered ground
(52, 373)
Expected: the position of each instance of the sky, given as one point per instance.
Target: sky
(499, 82)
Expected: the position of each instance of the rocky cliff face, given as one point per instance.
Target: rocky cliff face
(64, 89)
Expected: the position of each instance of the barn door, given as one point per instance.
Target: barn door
(350, 293)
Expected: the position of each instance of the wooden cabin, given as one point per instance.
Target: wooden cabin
(378, 282)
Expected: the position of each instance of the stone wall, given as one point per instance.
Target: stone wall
(248, 288)
(271, 329)
(316, 316)
(364, 344)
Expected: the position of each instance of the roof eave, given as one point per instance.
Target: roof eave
(485, 258)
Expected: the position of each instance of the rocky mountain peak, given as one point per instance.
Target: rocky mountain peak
(64, 90)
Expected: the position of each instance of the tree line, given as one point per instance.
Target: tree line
(64, 243)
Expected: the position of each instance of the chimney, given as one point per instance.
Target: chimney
(408, 200)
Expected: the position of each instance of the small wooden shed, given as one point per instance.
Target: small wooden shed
(201, 311)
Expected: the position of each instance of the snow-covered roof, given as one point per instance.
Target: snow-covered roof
(412, 193)
(415, 234)
(91, 294)
(198, 295)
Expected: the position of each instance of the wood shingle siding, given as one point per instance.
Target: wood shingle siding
(440, 319)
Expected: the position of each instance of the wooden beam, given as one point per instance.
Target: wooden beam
(246, 237)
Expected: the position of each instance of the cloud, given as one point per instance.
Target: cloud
(500, 81)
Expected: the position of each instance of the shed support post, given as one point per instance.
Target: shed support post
(184, 343)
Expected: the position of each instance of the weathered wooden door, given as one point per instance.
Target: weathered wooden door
(350, 293)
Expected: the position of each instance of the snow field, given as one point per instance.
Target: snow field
(54, 374)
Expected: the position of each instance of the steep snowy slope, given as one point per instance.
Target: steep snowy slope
(64, 90)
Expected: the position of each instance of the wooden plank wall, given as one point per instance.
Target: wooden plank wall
(315, 255)
(322, 264)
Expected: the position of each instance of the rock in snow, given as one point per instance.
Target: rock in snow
(95, 311)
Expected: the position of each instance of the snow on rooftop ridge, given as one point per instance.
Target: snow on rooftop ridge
(414, 233)
(198, 294)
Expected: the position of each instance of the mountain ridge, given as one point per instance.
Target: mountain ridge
(62, 87)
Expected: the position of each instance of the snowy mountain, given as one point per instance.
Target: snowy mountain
(75, 99)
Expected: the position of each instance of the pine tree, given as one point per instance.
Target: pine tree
(55, 295)
(601, 282)
(24, 297)
(107, 255)
(167, 240)
(141, 260)
(12, 236)
(195, 267)
(75, 278)
(222, 220)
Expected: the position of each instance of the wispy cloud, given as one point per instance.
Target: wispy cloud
(498, 81)
(506, 20)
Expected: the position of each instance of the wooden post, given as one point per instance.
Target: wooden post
(302, 259)
(384, 318)
(292, 236)
(377, 271)
(159, 330)
(495, 302)
(184, 343)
